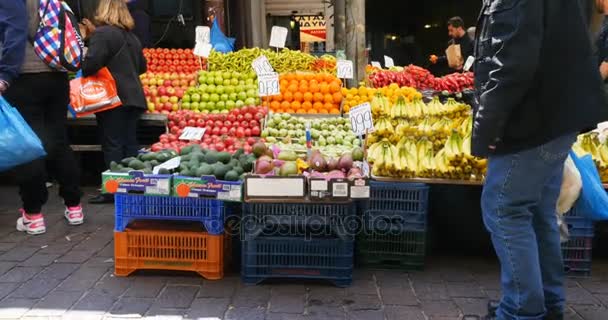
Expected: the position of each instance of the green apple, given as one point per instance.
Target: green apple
(186, 98)
(194, 105)
(205, 97)
(196, 97)
(250, 101)
(220, 105)
(186, 105)
(214, 97)
(240, 103)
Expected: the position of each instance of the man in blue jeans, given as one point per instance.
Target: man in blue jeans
(537, 87)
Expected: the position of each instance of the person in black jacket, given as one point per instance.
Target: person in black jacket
(534, 94)
(112, 44)
(456, 31)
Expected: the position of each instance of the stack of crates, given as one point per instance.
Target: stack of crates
(394, 226)
(577, 251)
(298, 241)
(169, 233)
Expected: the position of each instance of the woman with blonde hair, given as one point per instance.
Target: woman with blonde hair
(112, 44)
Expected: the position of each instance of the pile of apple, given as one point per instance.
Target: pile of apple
(239, 128)
(164, 90)
(218, 92)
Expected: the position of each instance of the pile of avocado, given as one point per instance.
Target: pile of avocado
(144, 162)
(195, 162)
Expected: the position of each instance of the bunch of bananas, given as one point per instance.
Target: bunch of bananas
(385, 157)
(282, 61)
(380, 106)
(590, 144)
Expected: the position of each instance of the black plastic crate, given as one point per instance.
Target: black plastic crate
(396, 206)
(578, 225)
(340, 217)
(402, 250)
(320, 258)
(577, 253)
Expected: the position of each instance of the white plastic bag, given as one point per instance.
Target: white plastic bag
(571, 187)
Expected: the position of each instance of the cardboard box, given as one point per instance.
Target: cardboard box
(207, 186)
(136, 182)
(258, 187)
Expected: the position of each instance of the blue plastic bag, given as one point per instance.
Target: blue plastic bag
(18, 142)
(219, 41)
(593, 201)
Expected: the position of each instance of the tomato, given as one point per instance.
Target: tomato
(210, 123)
(255, 131)
(174, 130)
(215, 131)
(239, 117)
(219, 123)
(191, 123)
(247, 132)
(224, 130)
(219, 146)
(251, 141)
(253, 123)
(231, 118)
(245, 124)
(248, 116)
(240, 133)
(232, 131)
(227, 124)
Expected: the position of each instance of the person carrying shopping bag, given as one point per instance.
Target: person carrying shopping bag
(38, 87)
(112, 44)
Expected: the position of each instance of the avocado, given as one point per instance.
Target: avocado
(163, 171)
(196, 148)
(234, 163)
(126, 161)
(231, 176)
(147, 171)
(147, 156)
(186, 150)
(187, 157)
(239, 170)
(224, 157)
(211, 157)
(206, 170)
(154, 163)
(136, 164)
(162, 157)
(194, 164)
(148, 165)
(185, 173)
(247, 164)
(238, 153)
(126, 170)
(220, 171)
(113, 166)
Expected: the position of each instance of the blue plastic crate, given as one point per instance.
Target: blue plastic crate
(129, 207)
(340, 217)
(579, 226)
(398, 207)
(578, 254)
(298, 258)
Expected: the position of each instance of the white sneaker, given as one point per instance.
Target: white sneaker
(74, 215)
(32, 224)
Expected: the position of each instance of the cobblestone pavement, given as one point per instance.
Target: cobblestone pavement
(67, 274)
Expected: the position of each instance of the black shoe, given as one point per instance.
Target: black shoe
(104, 198)
(492, 307)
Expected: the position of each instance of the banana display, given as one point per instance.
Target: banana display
(590, 144)
(423, 140)
(282, 61)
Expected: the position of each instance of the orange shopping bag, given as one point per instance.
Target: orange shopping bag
(94, 94)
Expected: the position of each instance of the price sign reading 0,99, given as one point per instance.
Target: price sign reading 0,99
(269, 85)
(361, 119)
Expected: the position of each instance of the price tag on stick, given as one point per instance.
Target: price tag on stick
(468, 64)
(361, 119)
(345, 69)
(269, 85)
(192, 134)
(388, 62)
(262, 66)
(278, 37)
(376, 64)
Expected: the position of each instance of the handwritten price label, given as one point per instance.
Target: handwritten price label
(388, 62)
(269, 85)
(361, 119)
(376, 64)
(278, 37)
(262, 66)
(345, 69)
(192, 133)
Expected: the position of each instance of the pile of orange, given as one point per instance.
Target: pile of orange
(308, 93)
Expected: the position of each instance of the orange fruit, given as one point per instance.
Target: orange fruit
(288, 96)
(317, 105)
(323, 111)
(301, 111)
(318, 97)
(294, 83)
(298, 96)
(289, 76)
(324, 88)
(333, 87)
(314, 88)
(284, 82)
(304, 88)
(278, 98)
(303, 83)
(328, 106)
(308, 96)
(329, 77)
(275, 105)
(312, 111)
(334, 111)
(319, 77)
(328, 98)
(293, 88)
(296, 105)
(290, 111)
(285, 105)
(307, 105)
(299, 77)
(337, 97)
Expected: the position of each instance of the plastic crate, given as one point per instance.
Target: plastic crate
(579, 226)
(577, 254)
(209, 212)
(340, 217)
(403, 250)
(298, 258)
(156, 246)
(396, 206)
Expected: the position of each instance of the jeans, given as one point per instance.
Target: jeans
(118, 131)
(42, 100)
(519, 210)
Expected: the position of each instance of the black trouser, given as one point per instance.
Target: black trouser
(42, 100)
(118, 131)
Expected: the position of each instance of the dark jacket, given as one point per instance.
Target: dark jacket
(121, 52)
(536, 79)
(142, 24)
(13, 38)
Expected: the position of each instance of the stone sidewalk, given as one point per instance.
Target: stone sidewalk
(67, 274)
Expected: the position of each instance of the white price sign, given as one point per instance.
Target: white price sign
(388, 62)
(169, 165)
(269, 85)
(345, 69)
(203, 34)
(278, 37)
(361, 119)
(262, 66)
(192, 133)
(469, 63)
(202, 50)
(376, 64)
